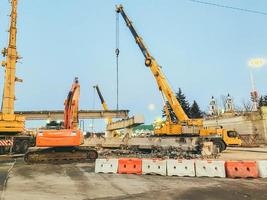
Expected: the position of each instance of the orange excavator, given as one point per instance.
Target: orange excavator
(62, 143)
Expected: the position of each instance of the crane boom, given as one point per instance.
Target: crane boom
(162, 82)
(103, 102)
(10, 64)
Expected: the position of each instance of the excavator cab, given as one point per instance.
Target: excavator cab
(54, 125)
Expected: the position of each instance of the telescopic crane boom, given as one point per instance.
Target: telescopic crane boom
(155, 68)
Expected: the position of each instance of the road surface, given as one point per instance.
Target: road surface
(78, 181)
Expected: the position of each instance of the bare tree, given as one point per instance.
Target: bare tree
(223, 101)
(247, 106)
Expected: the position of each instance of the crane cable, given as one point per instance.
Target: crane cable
(117, 52)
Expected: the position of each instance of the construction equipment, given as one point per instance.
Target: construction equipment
(62, 143)
(13, 136)
(105, 108)
(103, 102)
(185, 127)
(127, 124)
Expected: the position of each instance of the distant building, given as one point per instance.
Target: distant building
(213, 107)
(229, 104)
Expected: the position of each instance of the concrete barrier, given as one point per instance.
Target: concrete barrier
(210, 168)
(262, 167)
(106, 165)
(180, 167)
(241, 169)
(130, 166)
(154, 166)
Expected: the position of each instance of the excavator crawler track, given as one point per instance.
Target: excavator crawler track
(37, 155)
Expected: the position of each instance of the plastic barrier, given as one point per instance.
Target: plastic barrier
(241, 169)
(130, 166)
(262, 167)
(180, 167)
(106, 165)
(154, 166)
(210, 168)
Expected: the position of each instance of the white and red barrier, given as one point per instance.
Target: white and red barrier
(183, 167)
(262, 167)
(106, 165)
(180, 167)
(154, 166)
(210, 168)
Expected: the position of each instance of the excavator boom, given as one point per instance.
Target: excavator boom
(71, 104)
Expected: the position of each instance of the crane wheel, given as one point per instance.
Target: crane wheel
(2, 150)
(220, 144)
(16, 147)
(24, 146)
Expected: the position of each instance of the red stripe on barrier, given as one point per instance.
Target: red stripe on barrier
(6, 143)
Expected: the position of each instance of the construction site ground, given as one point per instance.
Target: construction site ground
(78, 181)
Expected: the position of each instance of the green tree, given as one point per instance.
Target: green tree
(195, 111)
(183, 102)
(262, 101)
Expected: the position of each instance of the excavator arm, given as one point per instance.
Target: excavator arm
(162, 82)
(71, 104)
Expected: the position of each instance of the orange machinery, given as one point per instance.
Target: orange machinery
(63, 143)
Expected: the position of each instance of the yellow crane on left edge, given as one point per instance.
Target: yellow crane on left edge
(12, 126)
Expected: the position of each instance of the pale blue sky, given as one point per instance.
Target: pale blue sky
(203, 49)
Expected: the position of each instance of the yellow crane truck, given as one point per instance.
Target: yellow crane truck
(13, 136)
(185, 127)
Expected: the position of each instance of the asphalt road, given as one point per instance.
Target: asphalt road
(78, 181)
(4, 168)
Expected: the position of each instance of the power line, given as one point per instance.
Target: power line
(229, 7)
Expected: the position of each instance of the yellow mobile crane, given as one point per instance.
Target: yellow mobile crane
(185, 126)
(12, 130)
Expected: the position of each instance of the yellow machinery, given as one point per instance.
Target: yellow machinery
(12, 129)
(105, 108)
(103, 103)
(185, 126)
